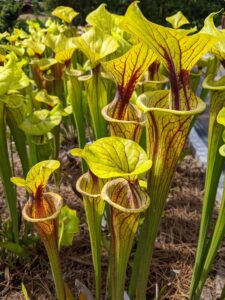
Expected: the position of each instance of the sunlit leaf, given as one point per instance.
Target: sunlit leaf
(209, 28)
(128, 69)
(115, 157)
(104, 20)
(68, 226)
(43, 96)
(59, 42)
(36, 46)
(64, 55)
(44, 63)
(96, 44)
(41, 122)
(174, 48)
(16, 49)
(177, 20)
(13, 100)
(65, 13)
(12, 76)
(221, 117)
(222, 150)
(37, 177)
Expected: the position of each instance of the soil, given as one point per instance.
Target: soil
(174, 253)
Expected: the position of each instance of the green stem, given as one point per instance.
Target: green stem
(20, 141)
(96, 88)
(90, 187)
(145, 247)
(93, 218)
(124, 219)
(32, 151)
(53, 256)
(214, 168)
(74, 89)
(56, 144)
(217, 237)
(6, 173)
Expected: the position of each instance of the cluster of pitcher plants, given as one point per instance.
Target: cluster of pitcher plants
(129, 91)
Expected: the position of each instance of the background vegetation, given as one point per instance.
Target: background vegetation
(155, 10)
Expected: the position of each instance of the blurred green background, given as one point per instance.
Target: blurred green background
(154, 10)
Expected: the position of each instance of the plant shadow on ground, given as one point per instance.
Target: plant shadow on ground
(174, 253)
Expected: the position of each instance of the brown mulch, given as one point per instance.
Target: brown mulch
(174, 249)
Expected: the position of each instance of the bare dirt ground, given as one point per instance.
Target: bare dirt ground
(174, 253)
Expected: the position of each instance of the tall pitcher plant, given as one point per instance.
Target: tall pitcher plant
(215, 161)
(169, 115)
(125, 120)
(109, 158)
(42, 210)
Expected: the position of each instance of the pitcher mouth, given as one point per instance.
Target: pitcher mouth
(105, 196)
(56, 201)
(141, 120)
(145, 99)
(82, 191)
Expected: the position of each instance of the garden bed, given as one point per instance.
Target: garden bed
(173, 255)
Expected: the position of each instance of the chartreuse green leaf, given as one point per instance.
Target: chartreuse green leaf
(153, 79)
(177, 51)
(37, 177)
(221, 117)
(90, 188)
(60, 43)
(169, 44)
(12, 76)
(221, 120)
(96, 90)
(68, 226)
(124, 118)
(14, 100)
(110, 23)
(13, 49)
(104, 20)
(167, 131)
(115, 157)
(209, 28)
(177, 20)
(96, 45)
(41, 122)
(214, 168)
(43, 96)
(75, 98)
(44, 63)
(126, 202)
(129, 68)
(36, 46)
(65, 13)
(65, 55)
